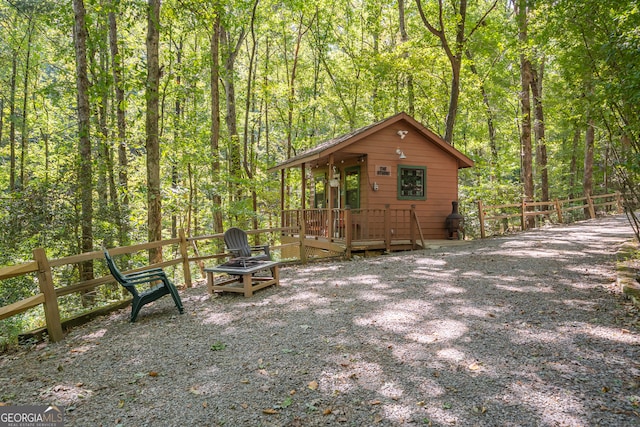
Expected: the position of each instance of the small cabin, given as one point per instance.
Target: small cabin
(389, 185)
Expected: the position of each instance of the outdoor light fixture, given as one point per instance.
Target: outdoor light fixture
(400, 153)
(403, 133)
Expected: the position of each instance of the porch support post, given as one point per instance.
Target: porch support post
(302, 234)
(282, 176)
(387, 228)
(303, 178)
(330, 202)
(348, 230)
(302, 217)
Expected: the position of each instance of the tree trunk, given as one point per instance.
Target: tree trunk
(454, 53)
(154, 215)
(12, 125)
(453, 101)
(267, 140)
(525, 103)
(99, 71)
(123, 179)
(248, 142)
(404, 37)
(25, 128)
(215, 124)
(573, 167)
(292, 96)
(490, 118)
(176, 134)
(1, 117)
(538, 128)
(247, 162)
(235, 166)
(587, 178)
(84, 145)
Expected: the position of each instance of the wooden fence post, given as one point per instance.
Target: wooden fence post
(592, 210)
(186, 270)
(559, 211)
(45, 282)
(481, 218)
(523, 220)
(619, 202)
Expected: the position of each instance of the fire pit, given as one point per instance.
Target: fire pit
(454, 223)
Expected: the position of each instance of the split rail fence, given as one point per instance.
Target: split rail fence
(556, 210)
(176, 253)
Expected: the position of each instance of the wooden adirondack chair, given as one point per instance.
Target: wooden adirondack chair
(238, 244)
(129, 281)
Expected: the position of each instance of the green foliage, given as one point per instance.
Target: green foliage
(321, 69)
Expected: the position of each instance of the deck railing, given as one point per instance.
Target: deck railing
(355, 224)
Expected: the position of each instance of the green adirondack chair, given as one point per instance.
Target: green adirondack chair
(140, 298)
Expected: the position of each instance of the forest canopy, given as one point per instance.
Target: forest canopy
(124, 120)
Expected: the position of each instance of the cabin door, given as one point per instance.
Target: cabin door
(352, 187)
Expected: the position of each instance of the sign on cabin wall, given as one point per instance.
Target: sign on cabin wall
(383, 170)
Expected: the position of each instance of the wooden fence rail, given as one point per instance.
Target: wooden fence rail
(48, 296)
(527, 210)
(48, 293)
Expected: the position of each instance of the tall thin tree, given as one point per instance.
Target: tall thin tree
(24, 132)
(404, 38)
(85, 174)
(453, 51)
(525, 104)
(537, 74)
(154, 214)
(123, 163)
(12, 123)
(215, 121)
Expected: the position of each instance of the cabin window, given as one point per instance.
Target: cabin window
(319, 191)
(352, 187)
(412, 182)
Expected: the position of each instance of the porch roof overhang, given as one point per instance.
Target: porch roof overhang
(322, 152)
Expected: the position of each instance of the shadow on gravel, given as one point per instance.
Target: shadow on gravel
(517, 331)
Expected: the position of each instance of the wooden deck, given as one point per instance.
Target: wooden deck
(313, 233)
(319, 247)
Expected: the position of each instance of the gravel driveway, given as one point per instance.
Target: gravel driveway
(525, 330)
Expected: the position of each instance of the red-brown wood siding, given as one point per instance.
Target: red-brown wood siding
(380, 150)
(442, 176)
